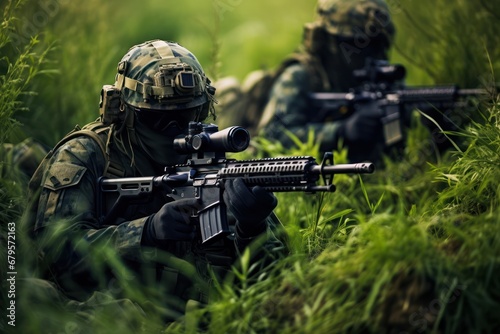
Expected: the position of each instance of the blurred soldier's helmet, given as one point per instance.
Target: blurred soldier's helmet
(160, 79)
(352, 18)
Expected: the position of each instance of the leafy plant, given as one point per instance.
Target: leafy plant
(17, 71)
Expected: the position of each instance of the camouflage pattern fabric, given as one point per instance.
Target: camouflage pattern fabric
(23, 157)
(55, 313)
(149, 77)
(242, 103)
(350, 18)
(288, 111)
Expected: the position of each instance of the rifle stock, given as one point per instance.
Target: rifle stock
(207, 169)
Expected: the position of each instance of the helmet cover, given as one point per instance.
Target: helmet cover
(159, 75)
(349, 18)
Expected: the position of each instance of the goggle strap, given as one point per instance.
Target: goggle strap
(163, 49)
(148, 90)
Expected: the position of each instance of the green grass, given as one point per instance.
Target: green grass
(418, 267)
(414, 247)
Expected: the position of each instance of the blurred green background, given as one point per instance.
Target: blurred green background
(229, 37)
(438, 41)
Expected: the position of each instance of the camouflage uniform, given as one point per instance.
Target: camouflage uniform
(23, 157)
(345, 33)
(289, 109)
(67, 230)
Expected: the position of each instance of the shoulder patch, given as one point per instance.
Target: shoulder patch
(63, 175)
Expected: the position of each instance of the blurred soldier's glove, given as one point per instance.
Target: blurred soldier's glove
(171, 223)
(364, 126)
(250, 207)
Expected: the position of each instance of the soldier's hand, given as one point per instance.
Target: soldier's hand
(171, 223)
(364, 126)
(250, 206)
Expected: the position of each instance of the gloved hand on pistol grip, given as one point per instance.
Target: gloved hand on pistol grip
(250, 206)
(364, 126)
(171, 223)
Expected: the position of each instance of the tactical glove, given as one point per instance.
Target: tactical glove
(171, 223)
(250, 207)
(364, 126)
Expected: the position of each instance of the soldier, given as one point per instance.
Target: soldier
(344, 35)
(160, 87)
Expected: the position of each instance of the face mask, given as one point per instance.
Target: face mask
(159, 146)
(162, 121)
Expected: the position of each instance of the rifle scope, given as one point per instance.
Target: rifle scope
(207, 138)
(380, 71)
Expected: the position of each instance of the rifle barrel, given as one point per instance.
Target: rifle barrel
(359, 168)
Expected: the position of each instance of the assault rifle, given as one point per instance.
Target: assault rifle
(382, 83)
(206, 169)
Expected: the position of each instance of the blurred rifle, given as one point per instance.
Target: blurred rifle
(206, 169)
(382, 83)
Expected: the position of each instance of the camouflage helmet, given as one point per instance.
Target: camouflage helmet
(159, 75)
(351, 18)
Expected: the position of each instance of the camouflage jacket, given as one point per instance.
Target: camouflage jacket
(76, 248)
(288, 110)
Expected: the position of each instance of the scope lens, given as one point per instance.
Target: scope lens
(239, 139)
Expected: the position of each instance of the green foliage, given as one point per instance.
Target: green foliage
(472, 179)
(19, 65)
(448, 44)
